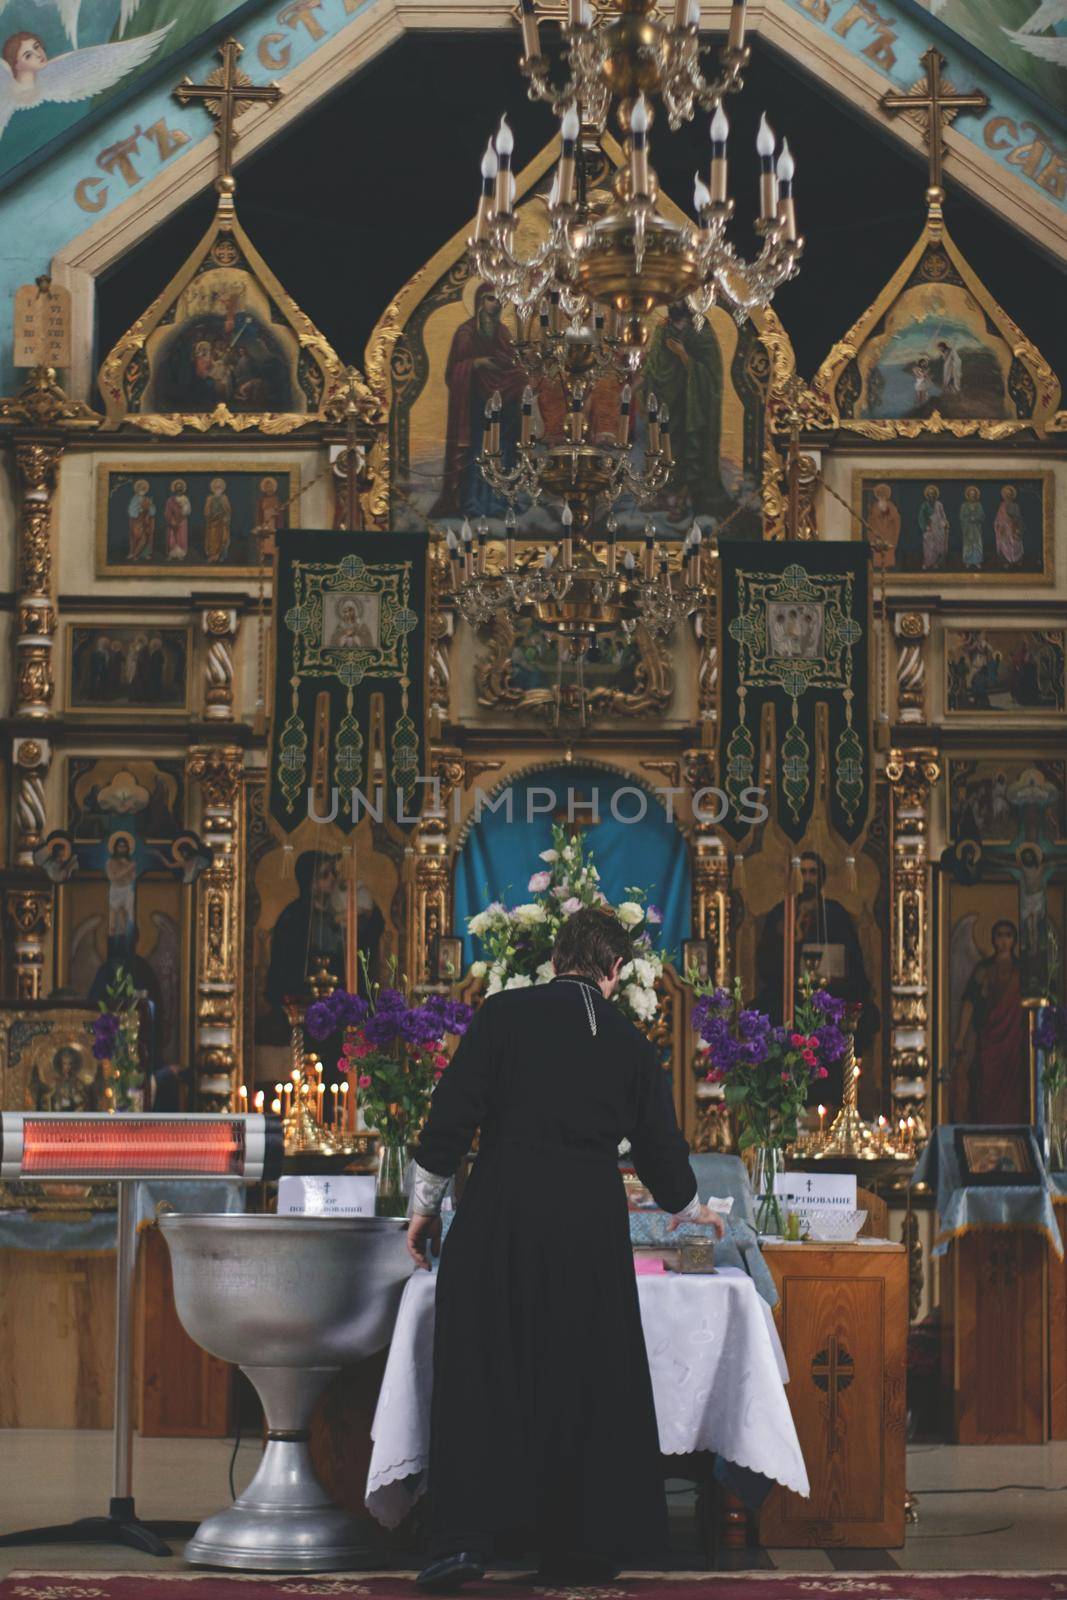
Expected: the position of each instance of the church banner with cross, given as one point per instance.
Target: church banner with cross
(795, 644)
(349, 676)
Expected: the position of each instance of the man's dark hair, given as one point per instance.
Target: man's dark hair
(590, 942)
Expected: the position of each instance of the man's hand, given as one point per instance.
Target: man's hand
(705, 1218)
(423, 1231)
(678, 349)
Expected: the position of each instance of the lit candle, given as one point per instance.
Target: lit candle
(720, 132)
(320, 1096)
(258, 1101)
(822, 1119)
(613, 554)
(736, 37)
(242, 1099)
(625, 396)
(653, 424)
(569, 131)
(639, 146)
(701, 194)
(276, 1106)
(531, 43)
(665, 432)
(504, 144)
(467, 536)
(486, 201)
(786, 208)
(568, 536)
(509, 538)
(333, 1104)
(768, 183)
(345, 1098)
(650, 550)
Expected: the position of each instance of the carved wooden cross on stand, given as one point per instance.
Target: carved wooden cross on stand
(226, 95)
(938, 104)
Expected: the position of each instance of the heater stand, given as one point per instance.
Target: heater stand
(121, 1525)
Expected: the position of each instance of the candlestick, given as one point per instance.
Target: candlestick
(639, 146)
(786, 171)
(257, 1103)
(736, 37)
(720, 130)
(768, 183)
(822, 1119)
(504, 144)
(570, 128)
(486, 201)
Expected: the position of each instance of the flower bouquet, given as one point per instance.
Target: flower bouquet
(117, 1042)
(767, 1072)
(518, 940)
(397, 1045)
(1050, 1037)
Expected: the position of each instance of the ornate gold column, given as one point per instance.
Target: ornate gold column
(29, 912)
(36, 461)
(31, 759)
(430, 905)
(217, 769)
(912, 629)
(911, 775)
(220, 634)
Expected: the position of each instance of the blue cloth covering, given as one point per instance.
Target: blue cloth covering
(22, 1230)
(725, 1177)
(961, 1207)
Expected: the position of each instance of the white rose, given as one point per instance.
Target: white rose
(646, 972)
(525, 915)
(479, 969)
(519, 981)
(478, 923)
(494, 985)
(549, 855)
(546, 972)
(630, 913)
(642, 1002)
(627, 971)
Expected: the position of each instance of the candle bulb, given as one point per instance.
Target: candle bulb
(346, 1099)
(613, 554)
(483, 535)
(487, 201)
(509, 539)
(736, 37)
(639, 146)
(553, 193)
(786, 171)
(568, 536)
(466, 533)
(576, 418)
(693, 15)
(496, 406)
(720, 132)
(681, 13)
(547, 559)
(650, 550)
(701, 194)
(625, 396)
(569, 131)
(629, 564)
(574, 14)
(822, 1119)
(531, 43)
(768, 183)
(653, 424)
(665, 432)
(504, 144)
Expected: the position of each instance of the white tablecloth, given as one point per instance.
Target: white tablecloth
(717, 1366)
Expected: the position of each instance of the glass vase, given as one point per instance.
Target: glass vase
(1055, 1131)
(767, 1163)
(392, 1192)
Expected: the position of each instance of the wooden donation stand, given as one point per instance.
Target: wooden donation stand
(843, 1319)
(994, 1322)
(1057, 1331)
(57, 1323)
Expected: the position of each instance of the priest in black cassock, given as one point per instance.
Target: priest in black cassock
(543, 1431)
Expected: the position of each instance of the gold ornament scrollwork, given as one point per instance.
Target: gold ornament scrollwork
(911, 775)
(217, 772)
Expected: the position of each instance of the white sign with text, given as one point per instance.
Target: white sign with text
(816, 1191)
(348, 1195)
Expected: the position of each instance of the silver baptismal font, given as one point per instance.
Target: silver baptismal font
(291, 1300)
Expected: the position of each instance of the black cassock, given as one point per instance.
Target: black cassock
(543, 1430)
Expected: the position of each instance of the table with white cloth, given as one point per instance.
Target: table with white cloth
(718, 1377)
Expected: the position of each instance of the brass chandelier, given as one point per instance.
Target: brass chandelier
(629, 259)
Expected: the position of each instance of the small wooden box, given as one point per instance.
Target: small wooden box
(843, 1319)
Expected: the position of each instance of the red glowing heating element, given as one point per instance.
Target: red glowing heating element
(127, 1146)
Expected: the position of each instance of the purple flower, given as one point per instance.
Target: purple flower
(831, 1007)
(1050, 1030)
(337, 1011)
(653, 914)
(831, 1041)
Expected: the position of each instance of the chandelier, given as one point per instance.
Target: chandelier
(624, 256)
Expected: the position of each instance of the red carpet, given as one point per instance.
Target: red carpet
(682, 1586)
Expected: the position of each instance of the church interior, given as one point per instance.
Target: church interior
(460, 465)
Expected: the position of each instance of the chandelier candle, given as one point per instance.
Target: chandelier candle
(639, 152)
(612, 549)
(736, 38)
(509, 529)
(786, 209)
(487, 202)
(567, 520)
(650, 551)
(526, 422)
(768, 183)
(665, 434)
(653, 422)
(720, 131)
(625, 396)
(504, 144)
(569, 131)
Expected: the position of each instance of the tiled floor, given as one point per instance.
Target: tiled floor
(50, 1477)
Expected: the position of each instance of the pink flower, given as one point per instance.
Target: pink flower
(440, 1061)
(822, 1073)
(364, 1081)
(539, 882)
(787, 1077)
(797, 1039)
(809, 1058)
(572, 905)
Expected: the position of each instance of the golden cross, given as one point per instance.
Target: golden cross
(227, 93)
(937, 103)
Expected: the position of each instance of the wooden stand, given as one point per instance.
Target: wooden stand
(843, 1318)
(1057, 1331)
(994, 1322)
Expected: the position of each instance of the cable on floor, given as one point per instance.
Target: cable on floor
(999, 1488)
(233, 1461)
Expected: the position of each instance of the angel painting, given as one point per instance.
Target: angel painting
(30, 78)
(988, 1023)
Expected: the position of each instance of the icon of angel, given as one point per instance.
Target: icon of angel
(29, 78)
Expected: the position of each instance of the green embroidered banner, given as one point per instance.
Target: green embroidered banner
(796, 635)
(349, 624)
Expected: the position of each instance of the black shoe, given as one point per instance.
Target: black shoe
(449, 1573)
